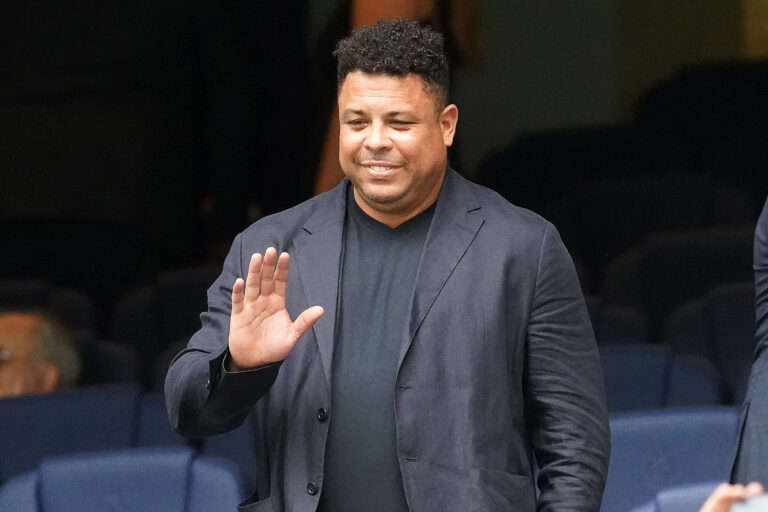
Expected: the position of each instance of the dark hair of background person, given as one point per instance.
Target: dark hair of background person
(57, 347)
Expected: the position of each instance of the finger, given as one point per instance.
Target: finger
(253, 283)
(722, 497)
(268, 271)
(305, 321)
(281, 274)
(238, 301)
(754, 489)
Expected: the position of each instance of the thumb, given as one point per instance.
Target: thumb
(305, 321)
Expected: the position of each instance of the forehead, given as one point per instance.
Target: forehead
(17, 333)
(360, 89)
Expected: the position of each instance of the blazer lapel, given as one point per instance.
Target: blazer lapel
(454, 226)
(317, 257)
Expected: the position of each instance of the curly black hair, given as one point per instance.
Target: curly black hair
(398, 47)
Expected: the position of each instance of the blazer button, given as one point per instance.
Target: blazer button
(311, 488)
(322, 414)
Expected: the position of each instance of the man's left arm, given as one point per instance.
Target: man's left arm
(565, 397)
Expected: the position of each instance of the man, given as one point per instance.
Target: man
(440, 338)
(751, 462)
(36, 355)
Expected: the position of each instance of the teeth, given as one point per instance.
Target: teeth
(378, 168)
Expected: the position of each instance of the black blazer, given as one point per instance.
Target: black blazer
(751, 461)
(498, 362)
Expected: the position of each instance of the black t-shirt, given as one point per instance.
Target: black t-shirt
(376, 286)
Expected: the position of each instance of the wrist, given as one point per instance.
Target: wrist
(230, 365)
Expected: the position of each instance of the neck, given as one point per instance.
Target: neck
(394, 217)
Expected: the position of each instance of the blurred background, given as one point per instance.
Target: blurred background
(137, 138)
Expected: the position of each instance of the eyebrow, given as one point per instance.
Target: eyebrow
(393, 113)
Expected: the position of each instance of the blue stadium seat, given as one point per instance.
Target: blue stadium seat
(655, 450)
(146, 480)
(106, 362)
(721, 327)
(682, 498)
(152, 317)
(238, 445)
(154, 427)
(33, 427)
(642, 376)
(640, 205)
(672, 268)
(613, 323)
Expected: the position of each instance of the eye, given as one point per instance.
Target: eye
(399, 124)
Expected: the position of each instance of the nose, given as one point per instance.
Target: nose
(377, 139)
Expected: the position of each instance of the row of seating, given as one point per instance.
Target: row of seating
(162, 311)
(637, 376)
(669, 269)
(642, 377)
(717, 327)
(144, 321)
(35, 427)
(650, 282)
(641, 207)
(655, 450)
(651, 450)
(696, 326)
(146, 479)
(655, 277)
(679, 498)
(704, 356)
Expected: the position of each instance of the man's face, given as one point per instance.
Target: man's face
(20, 372)
(392, 144)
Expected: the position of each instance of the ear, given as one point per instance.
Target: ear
(448, 119)
(49, 378)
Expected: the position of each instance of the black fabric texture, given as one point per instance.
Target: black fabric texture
(378, 271)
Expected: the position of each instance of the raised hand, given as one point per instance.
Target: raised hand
(260, 330)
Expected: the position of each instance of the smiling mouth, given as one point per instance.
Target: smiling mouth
(379, 166)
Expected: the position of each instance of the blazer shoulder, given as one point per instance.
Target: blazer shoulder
(280, 228)
(497, 211)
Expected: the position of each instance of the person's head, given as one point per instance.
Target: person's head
(37, 355)
(396, 123)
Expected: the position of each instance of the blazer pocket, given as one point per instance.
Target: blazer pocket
(264, 505)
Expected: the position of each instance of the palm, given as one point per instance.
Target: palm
(260, 329)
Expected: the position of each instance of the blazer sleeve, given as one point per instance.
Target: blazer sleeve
(761, 284)
(750, 458)
(566, 405)
(201, 397)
